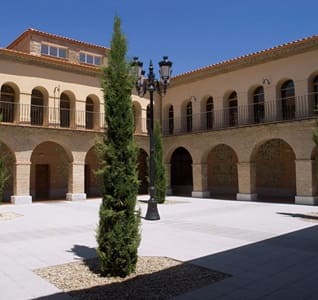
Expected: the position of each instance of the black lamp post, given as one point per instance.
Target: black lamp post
(144, 84)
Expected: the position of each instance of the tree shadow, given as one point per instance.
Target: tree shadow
(297, 215)
(282, 267)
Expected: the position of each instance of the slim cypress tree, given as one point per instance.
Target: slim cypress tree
(118, 235)
(315, 139)
(160, 172)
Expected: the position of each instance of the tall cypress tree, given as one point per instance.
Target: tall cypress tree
(160, 172)
(118, 233)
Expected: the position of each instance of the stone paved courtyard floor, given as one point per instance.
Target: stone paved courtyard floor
(271, 250)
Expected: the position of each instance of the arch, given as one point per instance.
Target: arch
(37, 107)
(189, 116)
(287, 95)
(232, 114)
(313, 96)
(171, 119)
(258, 104)
(49, 171)
(222, 172)
(89, 113)
(67, 109)
(8, 102)
(92, 180)
(9, 161)
(275, 171)
(143, 171)
(181, 172)
(209, 107)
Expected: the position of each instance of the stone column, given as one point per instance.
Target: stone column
(21, 188)
(302, 105)
(272, 104)
(76, 182)
(246, 181)
(305, 182)
(218, 112)
(200, 179)
(24, 109)
(53, 111)
(79, 113)
(243, 109)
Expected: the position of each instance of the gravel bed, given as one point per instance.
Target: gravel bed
(154, 278)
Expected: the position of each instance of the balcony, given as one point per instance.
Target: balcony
(278, 111)
(12, 113)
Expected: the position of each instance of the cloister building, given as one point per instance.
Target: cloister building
(240, 129)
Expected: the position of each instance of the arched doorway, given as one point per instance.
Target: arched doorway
(7, 104)
(89, 113)
(49, 171)
(92, 180)
(8, 161)
(181, 172)
(275, 171)
(143, 172)
(37, 108)
(222, 172)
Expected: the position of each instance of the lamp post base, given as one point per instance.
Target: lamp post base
(152, 211)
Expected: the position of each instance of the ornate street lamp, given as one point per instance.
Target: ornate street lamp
(144, 84)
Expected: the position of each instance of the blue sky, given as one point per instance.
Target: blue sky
(192, 33)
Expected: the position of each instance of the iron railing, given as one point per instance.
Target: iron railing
(38, 115)
(281, 110)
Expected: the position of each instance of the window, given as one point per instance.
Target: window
(37, 112)
(53, 51)
(189, 117)
(91, 59)
(89, 113)
(170, 120)
(315, 90)
(233, 109)
(209, 113)
(7, 104)
(258, 104)
(288, 100)
(65, 111)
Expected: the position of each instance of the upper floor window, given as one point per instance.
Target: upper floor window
(55, 51)
(170, 119)
(91, 59)
(233, 109)
(288, 99)
(258, 104)
(209, 113)
(189, 116)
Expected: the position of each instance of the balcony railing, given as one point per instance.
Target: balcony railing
(281, 110)
(43, 116)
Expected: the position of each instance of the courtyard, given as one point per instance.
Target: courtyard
(270, 250)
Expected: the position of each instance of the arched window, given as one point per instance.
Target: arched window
(7, 104)
(209, 113)
(258, 104)
(170, 120)
(288, 100)
(65, 111)
(89, 113)
(233, 109)
(315, 93)
(37, 111)
(189, 117)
